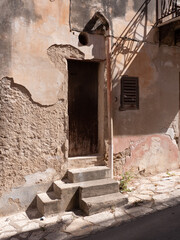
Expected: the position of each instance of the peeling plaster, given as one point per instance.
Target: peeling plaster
(23, 89)
(60, 53)
(32, 137)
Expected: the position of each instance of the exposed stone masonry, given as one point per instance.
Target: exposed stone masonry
(119, 160)
(32, 136)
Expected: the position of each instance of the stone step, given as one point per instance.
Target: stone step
(68, 193)
(48, 203)
(97, 204)
(85, 161)
(98, 187)
(88, 174)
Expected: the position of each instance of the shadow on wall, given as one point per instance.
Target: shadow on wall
(136, 53)
(109, 8)
(82, 11)
(11, 9)
(130, 41)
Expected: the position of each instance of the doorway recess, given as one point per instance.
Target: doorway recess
(83, 107)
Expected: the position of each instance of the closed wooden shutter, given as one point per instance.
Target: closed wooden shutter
(129, 93)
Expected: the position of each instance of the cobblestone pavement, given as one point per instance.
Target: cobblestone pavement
(147, 195)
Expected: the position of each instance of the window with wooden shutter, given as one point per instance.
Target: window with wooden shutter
(129, 93)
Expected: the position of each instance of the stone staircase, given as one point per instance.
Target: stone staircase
(89, 189)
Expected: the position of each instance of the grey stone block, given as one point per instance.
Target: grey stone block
(98, 187)
(97, 204)
(68, 195)
(88, 174)
(47, 203)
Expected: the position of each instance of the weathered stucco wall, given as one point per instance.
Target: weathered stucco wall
(29, 29)
(146, 139)
(36, 43)
(37, 39)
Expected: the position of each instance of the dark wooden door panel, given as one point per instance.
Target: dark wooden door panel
(83, 108)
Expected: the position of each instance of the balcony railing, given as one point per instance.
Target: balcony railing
(167, 9)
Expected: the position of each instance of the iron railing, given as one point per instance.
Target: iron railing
(167, 8)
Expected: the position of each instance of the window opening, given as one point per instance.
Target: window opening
(129, 93)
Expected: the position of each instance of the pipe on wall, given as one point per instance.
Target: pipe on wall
(109, 102)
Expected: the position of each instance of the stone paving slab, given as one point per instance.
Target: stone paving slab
(147, 195)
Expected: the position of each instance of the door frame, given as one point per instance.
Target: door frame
(101, 107)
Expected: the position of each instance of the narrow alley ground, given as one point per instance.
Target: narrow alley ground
(161, 225)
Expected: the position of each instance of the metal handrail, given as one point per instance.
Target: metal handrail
(165, 8)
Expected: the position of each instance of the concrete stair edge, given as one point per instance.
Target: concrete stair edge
(87, 161)
(98, 204)
(88, 174)
(98, 188)
(48, 203)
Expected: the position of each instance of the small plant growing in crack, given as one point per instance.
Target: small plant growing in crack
(112, 209)
(170, 174)
(123, 186)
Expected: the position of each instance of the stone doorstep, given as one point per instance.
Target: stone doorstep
(96, 204)
(64, 186)
(88, 174)
(66, 196)
(68, 193)
(48, 203)
(98, 188)
(86, 189)
(84, 162)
